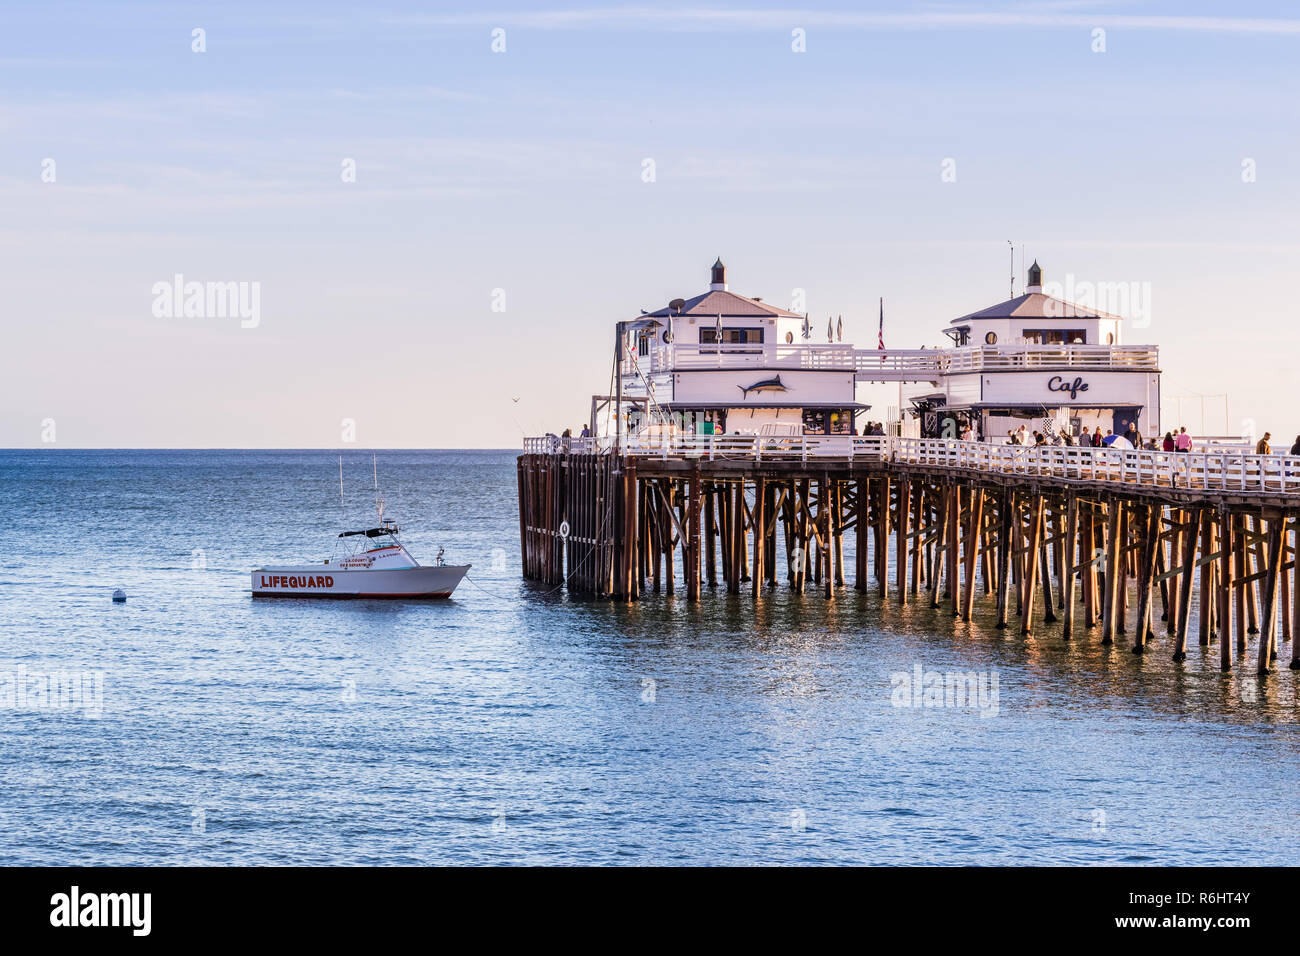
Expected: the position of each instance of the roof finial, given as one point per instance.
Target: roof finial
(1035, 278)
(718, 283)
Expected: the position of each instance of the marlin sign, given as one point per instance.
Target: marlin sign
(767, 385)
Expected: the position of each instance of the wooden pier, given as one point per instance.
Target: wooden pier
(1116, 546)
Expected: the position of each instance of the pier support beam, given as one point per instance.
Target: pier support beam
(1226, 543)
(953, 593)
(1276, 541)
(902, 543)
(973, 536)
(693, 546)
(1295, 602)
(825, 517)
(1071, 558)
(1032, 551)
(882, 536)
(1191, 532)
(1005, 505)
(1114, 572)
(1147, 563)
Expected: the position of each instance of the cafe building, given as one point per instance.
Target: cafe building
(1039, 361)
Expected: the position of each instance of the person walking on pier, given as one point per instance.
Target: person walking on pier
(1184, 441)
(1262, 447)
(1295, 449)
(1169, 444)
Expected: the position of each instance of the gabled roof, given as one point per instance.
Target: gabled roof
(1036, 305)
(710, 304)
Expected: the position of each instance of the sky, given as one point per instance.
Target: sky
(436, 212)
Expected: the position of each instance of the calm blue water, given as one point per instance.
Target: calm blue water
(510, 725)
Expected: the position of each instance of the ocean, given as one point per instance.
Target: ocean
(511, 725)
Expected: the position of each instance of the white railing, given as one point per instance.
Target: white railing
(892, 364)
(1210, 470)
(721, 447)
(1213, 470)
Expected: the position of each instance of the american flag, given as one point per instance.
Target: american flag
(880, 336)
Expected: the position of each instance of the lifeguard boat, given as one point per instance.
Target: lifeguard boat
(373, 564)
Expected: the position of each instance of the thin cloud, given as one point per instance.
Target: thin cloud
(715, 19)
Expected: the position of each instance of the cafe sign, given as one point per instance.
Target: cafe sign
(1058, 384)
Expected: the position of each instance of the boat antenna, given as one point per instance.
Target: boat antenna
(342, 505)
(379, 502)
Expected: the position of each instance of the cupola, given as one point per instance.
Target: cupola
(718, 282)
(1035, 278)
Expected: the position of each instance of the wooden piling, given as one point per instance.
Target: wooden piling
(1149, 527)
(1272, 559)
(1032, 558)
(1004, 554)
(1069, 576)
(1226, 542)
(973, 535)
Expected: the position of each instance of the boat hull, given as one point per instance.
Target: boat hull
(330, 581)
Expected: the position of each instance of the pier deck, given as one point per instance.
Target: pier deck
(1035, 531)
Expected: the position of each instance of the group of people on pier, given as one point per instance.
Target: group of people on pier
(1129, 438)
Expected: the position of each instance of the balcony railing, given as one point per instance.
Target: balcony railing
(892, 364)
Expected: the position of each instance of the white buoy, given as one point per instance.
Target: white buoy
(119, 596)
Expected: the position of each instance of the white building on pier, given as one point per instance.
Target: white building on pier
(1038, 359)
(724, 362)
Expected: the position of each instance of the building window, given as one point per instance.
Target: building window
(731, 337)
(814, 421)
(1055, 336)
(990, 338)
(834, 421)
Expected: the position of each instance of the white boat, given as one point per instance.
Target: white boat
(375, 565)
